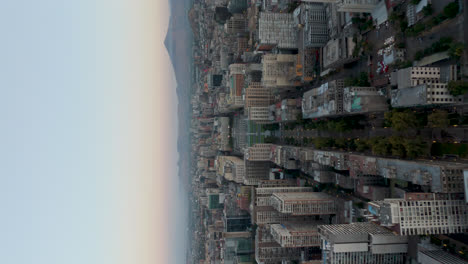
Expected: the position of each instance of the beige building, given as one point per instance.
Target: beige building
(414, 76)
(257, 95)
(296, 234)
(422, 95)
(259, 114)
(231, 168)
(279, 70)
(258, 152)
(303, 203)
(420, 86)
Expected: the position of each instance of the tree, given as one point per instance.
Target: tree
(341, 143)
(427, 10)
(415, 148)
(457, 88)
(361, 145)
(379, 146)
(363, 79)
(321, 143)
(438, 118)
(456, 50)
(419, 55)
(402, 121)
(415, 2)
(397, 148)
(451, 10)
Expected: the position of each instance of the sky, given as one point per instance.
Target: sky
(88, 133)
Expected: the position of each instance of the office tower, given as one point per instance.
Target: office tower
(246, 172)
(268, 251)
(237, 24)
(424, 213)
(296, 234)
(279, 70)
(414, 76)
(277, 29)
(257, 95)
(303, 203)
(358, 243)
(259, 114)
(258, 152)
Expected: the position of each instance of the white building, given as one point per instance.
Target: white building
(425, 214)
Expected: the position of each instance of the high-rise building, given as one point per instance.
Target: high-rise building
(414, 76)
(423, 95)
(358, 243)
(420, 86)
(257, 95)
(313, 18)
(357, 6)
(363, 100)
(277, 29)
(237, 6)
(279, 70)
(324, 100)
(255, 171)
(236, 24)
(303, 203)
(246, 172)
(232, 168)
(333, 99)
(236, 223)
(258, 152)
(268, 251)
(278, 183)
(259, 114)
(263, 194)
(296, 234)
(424, 214)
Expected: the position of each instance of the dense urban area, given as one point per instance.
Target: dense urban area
(327, 131)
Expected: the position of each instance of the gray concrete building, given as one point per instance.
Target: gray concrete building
(358, 243)
(277, 29)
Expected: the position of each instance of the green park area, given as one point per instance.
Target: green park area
(441, 149)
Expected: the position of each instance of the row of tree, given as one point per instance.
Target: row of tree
(397, 146)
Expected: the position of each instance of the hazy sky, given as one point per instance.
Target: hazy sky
(88, 133)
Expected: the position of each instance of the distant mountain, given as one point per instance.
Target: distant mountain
(178, 43)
